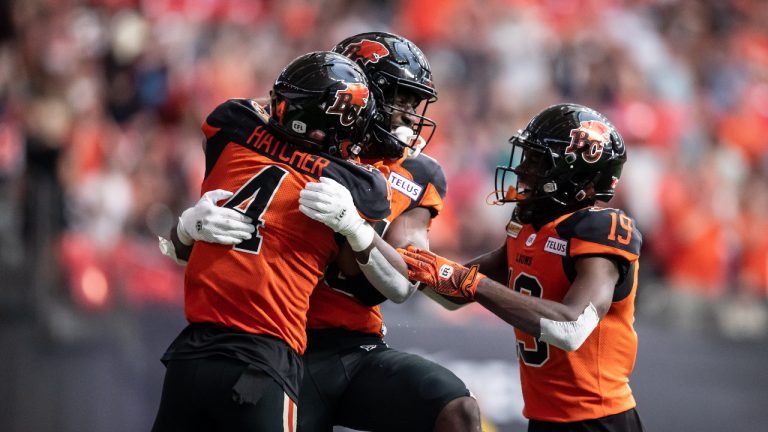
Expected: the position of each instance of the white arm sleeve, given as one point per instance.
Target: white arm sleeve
(569, 335)
(168, 249)
(386, 278)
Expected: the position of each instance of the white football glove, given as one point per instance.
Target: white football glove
(329, 202)
(210, 223)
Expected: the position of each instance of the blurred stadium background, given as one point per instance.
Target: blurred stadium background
(100, 106)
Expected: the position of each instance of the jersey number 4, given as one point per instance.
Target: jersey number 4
(253, 199)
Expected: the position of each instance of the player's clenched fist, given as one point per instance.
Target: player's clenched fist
(443, 276)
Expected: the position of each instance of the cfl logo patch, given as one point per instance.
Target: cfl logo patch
(299, 127)
(445, 271)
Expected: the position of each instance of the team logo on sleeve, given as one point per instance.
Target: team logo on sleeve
(592, 134)
(366, 51)
(349, 102)
(260, 111)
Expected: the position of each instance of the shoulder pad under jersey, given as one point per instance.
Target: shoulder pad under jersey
(369, 188)
(601, 231)
(232, 121)
(236, 118)
(430, 178)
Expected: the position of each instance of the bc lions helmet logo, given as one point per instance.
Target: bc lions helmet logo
(366, 51)
(349, 102)
(594, 135)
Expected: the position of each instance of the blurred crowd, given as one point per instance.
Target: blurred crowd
(101, 103)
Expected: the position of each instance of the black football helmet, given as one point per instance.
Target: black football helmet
(394, 66)
(568, 157)
(322, 100)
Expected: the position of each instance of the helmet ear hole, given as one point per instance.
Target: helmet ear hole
(317, 135)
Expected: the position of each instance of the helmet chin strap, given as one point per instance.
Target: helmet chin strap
(587, 192)
(550, 187)
(349, 149)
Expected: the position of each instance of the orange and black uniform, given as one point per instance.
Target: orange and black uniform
(593, 381)
(339, 303)
(352, 378)
(247, 303)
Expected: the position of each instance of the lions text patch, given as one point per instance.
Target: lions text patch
(406, 186)
(556, 246)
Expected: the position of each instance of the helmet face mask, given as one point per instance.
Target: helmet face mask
(322, 100)
(568, 157)
(402, 125)
(397, 70)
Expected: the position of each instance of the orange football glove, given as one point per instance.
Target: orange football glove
(444, 276)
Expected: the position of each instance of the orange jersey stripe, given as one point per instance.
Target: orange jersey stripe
(209, 130)
(581, 247)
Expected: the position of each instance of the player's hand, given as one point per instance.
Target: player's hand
(330, 203)
(210, 223)
(443, 276)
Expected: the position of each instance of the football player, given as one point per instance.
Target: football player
(566, 278)
(352, 377)
(237, 365)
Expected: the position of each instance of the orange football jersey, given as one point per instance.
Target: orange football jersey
(415, 182)
(593, 381)
(262, 285)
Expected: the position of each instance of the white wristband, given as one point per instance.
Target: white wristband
(183, 236)
(168, 249)
(361, 237)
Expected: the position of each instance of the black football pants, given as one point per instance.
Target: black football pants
(222, 394)
(627, 421)
(357, 381)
